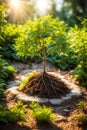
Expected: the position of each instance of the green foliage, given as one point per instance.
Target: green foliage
(12, 70)
(2, 15)
(80, 74)
(19, 111)
(64, 61)
(26, 80)
(82, 118)
(16, 113)
(6, 115)
(42, 114)
(34, 105)
(9, 33)
(3, 69)
(6, 72)
(84, 23)
(41, 37)
(2, 87)
(81, 104)
(78, 42)
(1, 38)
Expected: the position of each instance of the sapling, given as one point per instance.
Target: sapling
(42, 37)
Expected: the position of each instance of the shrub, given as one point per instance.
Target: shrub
(81, 104)
(42, 114)
(6, 72)
(19, 111)
(16, 113)
(78, 42)
(9, 33)
(82, 118)
(6, 115)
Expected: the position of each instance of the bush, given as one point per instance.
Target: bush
(81, 104)
(64, 61)
(6, 72)
(82, 117)
(78, 42)
(42, 114)
(9, 32)
(19, 111)
(16, 113)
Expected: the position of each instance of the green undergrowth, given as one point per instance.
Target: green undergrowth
(41, 113)
(2, 87)
(6, 72)
(16, 113)
(77, 37)
(27, 78)
(80, 73)
(81, 105)
(82, 117)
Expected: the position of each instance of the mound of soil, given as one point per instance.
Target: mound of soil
(46, 85)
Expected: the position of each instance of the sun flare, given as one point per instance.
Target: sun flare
(18, 10)
(15, 3)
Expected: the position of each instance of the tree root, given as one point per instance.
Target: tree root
(46, 85)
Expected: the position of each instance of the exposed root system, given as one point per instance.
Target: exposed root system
(46, 85)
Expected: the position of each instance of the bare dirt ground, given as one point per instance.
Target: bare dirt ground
(66, 119)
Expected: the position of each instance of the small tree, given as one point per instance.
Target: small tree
(41, 37)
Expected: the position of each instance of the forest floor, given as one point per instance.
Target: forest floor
(67, 112)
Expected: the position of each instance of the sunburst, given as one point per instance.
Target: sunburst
(18, 10)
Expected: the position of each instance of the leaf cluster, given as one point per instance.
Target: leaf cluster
(82, 117)
(78, 43)
(6, 72)
(81, 104)
(44, 32)
(15, 114)
(8, 34)
(41, 113)
(26, 80)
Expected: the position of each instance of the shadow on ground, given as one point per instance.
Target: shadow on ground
(13, 126)
(47, 126)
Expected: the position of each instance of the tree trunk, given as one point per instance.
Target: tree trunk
(44, 59)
